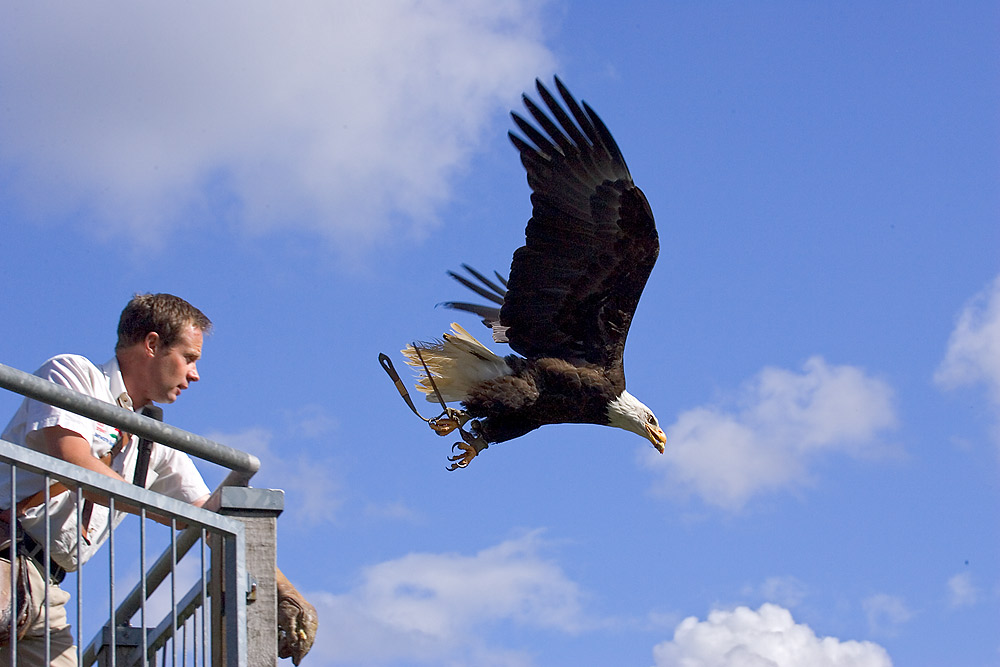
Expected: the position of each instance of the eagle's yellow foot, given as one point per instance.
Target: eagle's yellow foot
(470, 448)
(450, 420)
(444, 425)
(465, 458)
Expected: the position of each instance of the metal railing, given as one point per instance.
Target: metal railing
(218, 593)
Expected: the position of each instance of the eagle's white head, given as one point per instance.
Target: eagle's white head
(629, 413)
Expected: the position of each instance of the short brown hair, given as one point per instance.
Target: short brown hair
(166, 314)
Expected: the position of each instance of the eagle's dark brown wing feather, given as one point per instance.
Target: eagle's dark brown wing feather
(591, 242)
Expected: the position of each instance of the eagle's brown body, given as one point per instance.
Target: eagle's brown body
(539, 392)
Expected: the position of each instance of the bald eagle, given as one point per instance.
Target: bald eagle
(566, 308)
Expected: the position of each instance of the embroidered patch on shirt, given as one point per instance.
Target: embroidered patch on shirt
(105, 438)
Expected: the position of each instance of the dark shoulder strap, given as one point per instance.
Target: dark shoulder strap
(145, 447)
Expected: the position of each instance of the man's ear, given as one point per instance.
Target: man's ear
(151, 343)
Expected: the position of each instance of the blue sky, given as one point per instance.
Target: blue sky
(820, 337)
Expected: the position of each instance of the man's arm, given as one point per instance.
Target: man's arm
(72, 447)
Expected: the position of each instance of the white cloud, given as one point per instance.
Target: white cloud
(780, 422)
(767, 637)
(335, 118)
(962, 592)
(430, 608)
(886, 614)
(973, 354)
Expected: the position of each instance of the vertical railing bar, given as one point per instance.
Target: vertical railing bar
(225, 605)
(47, 560)
(194, 634)
(111, 587)
(173, 584)
(79, 575)
(142, 583)
(204, 599)
(12, 552)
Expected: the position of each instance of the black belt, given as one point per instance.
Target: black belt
(36, 552)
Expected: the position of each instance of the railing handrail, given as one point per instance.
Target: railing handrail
(243, 464)
(43, 464)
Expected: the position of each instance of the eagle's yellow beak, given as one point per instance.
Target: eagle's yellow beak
(656, 436)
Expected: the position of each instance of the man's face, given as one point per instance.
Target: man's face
(173, 368)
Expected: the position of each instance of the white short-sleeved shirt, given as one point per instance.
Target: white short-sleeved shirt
(171, 472)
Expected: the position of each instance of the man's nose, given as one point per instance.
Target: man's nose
(193, 374)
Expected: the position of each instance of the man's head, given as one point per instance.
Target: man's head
(165, 314)
(159, 342)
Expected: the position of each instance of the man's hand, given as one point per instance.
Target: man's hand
(297, 621)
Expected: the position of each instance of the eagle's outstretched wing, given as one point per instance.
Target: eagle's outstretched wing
(590, 245)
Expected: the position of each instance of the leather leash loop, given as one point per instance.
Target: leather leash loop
(387, 366)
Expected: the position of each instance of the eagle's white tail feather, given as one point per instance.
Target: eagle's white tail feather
(458, 363)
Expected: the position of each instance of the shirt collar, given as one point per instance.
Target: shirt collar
(116, 384)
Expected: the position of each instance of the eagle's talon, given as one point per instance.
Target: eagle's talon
(470, 449)
(465, 458)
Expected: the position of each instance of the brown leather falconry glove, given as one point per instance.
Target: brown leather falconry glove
(296, 621)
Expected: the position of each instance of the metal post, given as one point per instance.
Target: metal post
(258, 509)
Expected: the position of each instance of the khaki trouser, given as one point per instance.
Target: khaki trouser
(31, 649)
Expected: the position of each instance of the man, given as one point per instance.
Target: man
(160, 338)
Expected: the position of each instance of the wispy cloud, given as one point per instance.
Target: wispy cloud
(771, 433)
(962, 591)
(787, 591)
(767, 636)
(886, 614)
(294, 456)
(345, 121)
(973, 353)
(309, 480)
(441, 608)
